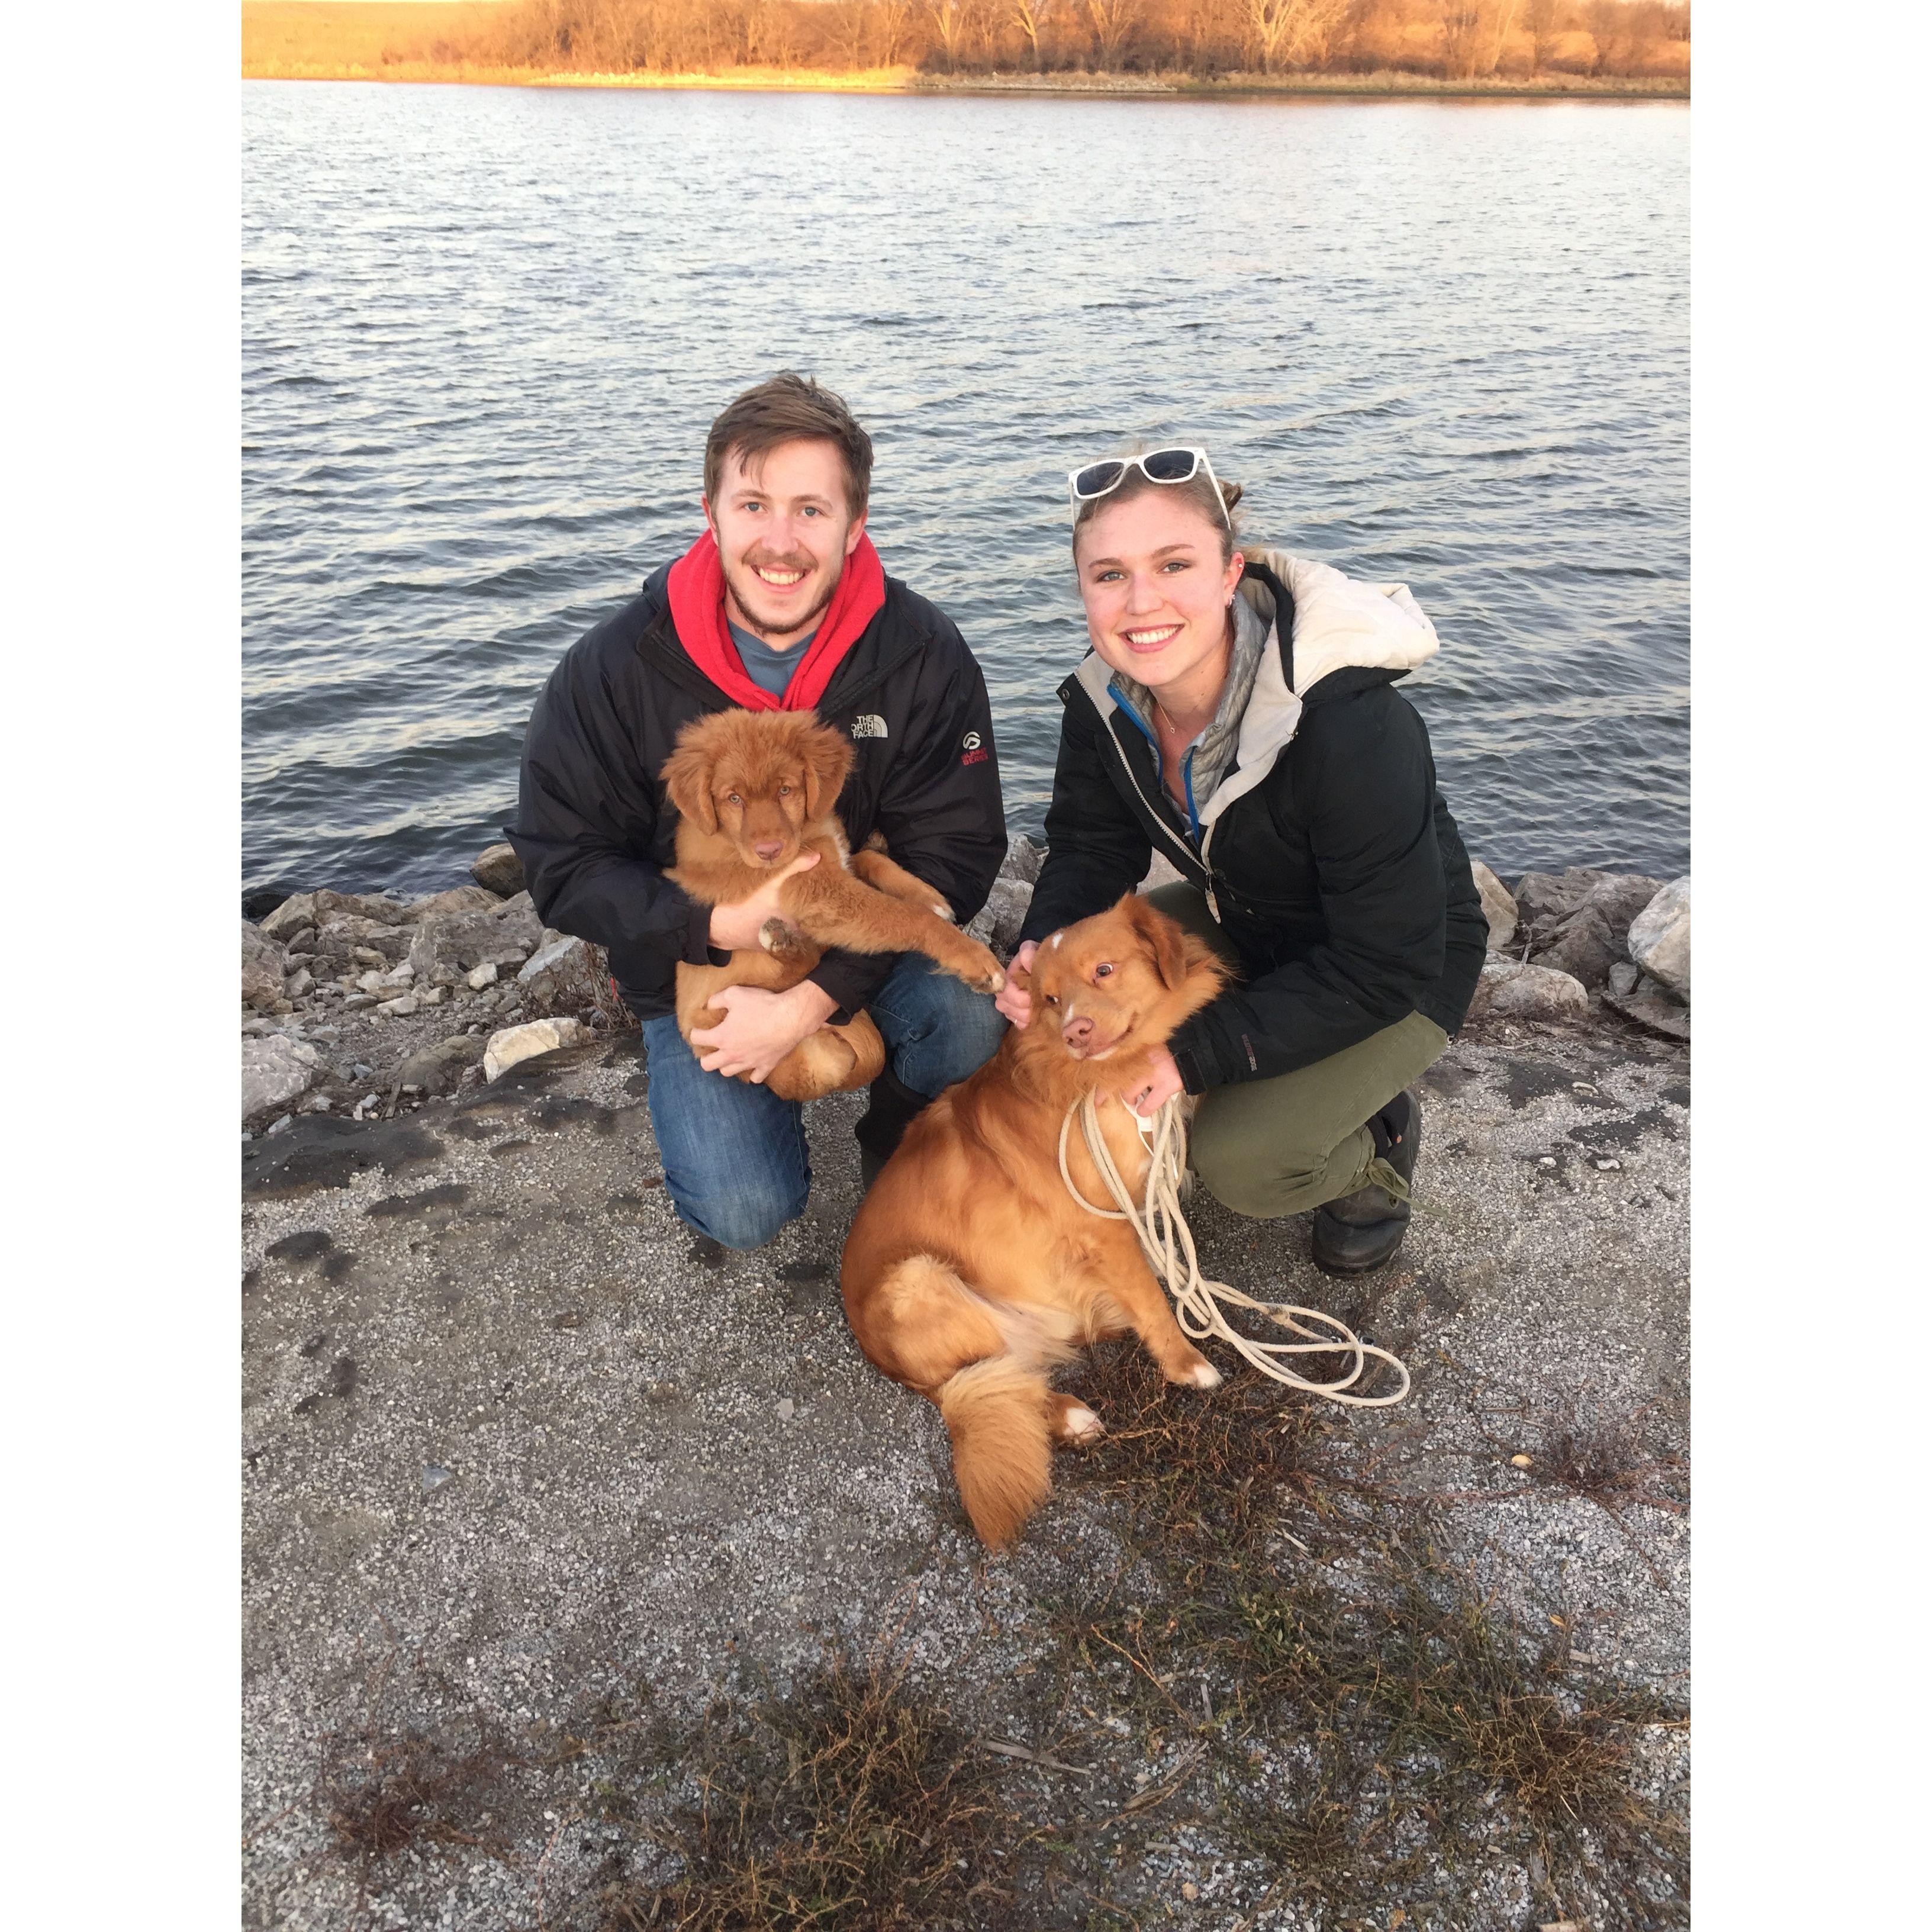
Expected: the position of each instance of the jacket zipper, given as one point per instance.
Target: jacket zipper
(1199, 859)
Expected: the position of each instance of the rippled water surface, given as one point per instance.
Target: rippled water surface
(484, 330)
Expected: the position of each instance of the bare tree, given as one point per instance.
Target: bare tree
(984, 19)
(1541, 20)
(1286, 31)
(1462, 37)
(1505, 20)
(771, 34)
(1115, 23)
(1033, 18)
(1610, 27)
(848, 23)
(892, 21)
(950, 21)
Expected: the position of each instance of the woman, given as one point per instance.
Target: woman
(1238, 715)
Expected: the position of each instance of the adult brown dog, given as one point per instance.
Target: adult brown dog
(971, 1273)
(754, 789)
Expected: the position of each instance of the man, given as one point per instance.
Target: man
(780, 604)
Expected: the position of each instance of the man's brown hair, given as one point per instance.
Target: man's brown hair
(789, 408)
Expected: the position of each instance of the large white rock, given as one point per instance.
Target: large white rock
(262, 964)
(342, 937)
(450, 945)
(439, 1069)
(275, 1071)
(290, 917)
(1023, 860)
(997, 922)
(458, 899)
(565, 975)
(526, 1042)
(377, 908)
(1498, 905)
(498, 870)
(1659, 936)
(1511, 990)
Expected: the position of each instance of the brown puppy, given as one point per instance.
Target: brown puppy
(753, 789)
(971, 1273)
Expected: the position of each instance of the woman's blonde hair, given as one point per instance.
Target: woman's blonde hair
(1197, 492)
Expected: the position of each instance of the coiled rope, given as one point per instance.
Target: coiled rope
(1168, 1244)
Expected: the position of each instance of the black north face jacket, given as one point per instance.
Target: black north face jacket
(1326, 852)
(595, 830)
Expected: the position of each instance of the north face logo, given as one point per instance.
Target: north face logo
(868, 724)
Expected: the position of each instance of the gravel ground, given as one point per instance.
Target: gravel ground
(512, 1446)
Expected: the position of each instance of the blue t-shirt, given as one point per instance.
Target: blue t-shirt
(765, 667)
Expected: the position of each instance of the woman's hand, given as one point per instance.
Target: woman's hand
(733, 926)
(1161, 1083)
(1017, 1005)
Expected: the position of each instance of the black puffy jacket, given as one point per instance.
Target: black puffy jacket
(1327, 853)
(595, 832)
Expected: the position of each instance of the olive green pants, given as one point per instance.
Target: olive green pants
(1269, 1147)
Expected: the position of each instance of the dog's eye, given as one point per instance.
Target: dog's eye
(784, 791)
(1052, 999)
(732, 798)
(1101, 972)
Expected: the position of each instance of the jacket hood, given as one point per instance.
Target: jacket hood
(1335, 623)
(1339, 623)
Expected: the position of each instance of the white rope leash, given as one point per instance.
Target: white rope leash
(1168, 1244)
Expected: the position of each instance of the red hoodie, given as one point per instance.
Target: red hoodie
(696, 586)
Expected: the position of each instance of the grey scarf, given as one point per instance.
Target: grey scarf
(1212, 755)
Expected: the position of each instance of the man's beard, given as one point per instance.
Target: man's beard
(736, 575)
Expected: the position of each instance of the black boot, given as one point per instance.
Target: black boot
(882, 1125)
(1363, 1230)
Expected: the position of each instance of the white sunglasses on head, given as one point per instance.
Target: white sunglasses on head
(1178, 464)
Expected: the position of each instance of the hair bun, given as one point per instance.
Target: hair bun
(1231, 494)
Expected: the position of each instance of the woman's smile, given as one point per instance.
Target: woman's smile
(1156, 591)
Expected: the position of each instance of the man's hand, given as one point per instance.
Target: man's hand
(733, 926)
(1017, 1005)
(1161, 1083)
(759, 1028)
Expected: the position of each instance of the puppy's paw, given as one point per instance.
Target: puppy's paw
(1071, 1421)
(982, 971)
(779, 936)
(1200, 1373)
(943, 911)
(1082, 1424)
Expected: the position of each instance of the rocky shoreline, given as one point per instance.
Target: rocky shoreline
(358, 1004)
(592, 1579)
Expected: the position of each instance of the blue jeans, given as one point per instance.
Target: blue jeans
(735, 1161)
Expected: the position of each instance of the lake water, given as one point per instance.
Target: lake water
(485, 330)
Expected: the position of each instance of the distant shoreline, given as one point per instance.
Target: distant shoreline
(912, 81)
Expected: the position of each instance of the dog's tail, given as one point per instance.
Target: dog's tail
(995, 1412)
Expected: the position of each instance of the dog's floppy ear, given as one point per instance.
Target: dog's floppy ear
(1165, 939)
(828, 763)
(687, 779)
